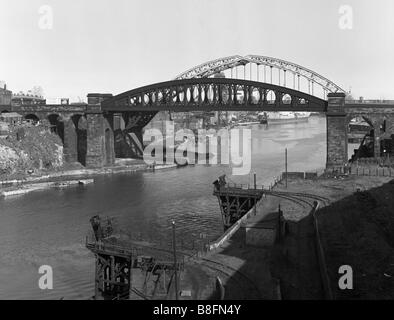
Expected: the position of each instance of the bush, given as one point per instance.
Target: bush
(30, 148)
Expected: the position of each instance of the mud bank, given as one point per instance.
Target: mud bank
(65, 175)
(27, 188)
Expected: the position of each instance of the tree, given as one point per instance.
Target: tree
(38, 91)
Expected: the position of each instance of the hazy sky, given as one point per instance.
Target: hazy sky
(116, 45)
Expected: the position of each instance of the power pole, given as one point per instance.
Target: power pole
(254, 181)
(175, 263)
(286, 165)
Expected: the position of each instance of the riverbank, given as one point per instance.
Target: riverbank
(76, 171)
(49, 227)
(356, 222)
(27, 188)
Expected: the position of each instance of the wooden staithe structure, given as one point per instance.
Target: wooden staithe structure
(235, 201)
(126, 270)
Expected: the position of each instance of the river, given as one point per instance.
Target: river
(49, 227)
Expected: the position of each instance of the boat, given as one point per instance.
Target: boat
(287, 117)
(248, 120)
(262, 116)
(247, 123)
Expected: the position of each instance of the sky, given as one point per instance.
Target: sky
(111, 46)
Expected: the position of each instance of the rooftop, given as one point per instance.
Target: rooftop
(23, 95)
(10, 115)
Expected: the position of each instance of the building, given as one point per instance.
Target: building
(5, 95)
(21, 98)
(4, 129)
(11, 118)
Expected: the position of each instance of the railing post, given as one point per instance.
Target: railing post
(255, 184)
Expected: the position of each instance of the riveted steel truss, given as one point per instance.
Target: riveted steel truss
(213, 94)
(210, 68)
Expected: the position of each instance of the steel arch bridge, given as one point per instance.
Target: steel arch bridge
(213, 94)
(207, 88)
(287, 73)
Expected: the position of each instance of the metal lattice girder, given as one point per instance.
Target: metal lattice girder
(215, 66)
(213, 94)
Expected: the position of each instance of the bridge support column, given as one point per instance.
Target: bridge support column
(136, 143)
(70, 141)
(376, 146)
(109, 141)
(100, 142)
(337, 143)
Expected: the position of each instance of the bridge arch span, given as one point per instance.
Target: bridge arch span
(32, 117)
(79, 133)
(265, 69)
(213, 94)
(57, 124)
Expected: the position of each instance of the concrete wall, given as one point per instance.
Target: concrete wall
(300, 175)
(293, 175)
(259, 236)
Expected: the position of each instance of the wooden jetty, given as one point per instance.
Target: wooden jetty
(127, 270)
(235, 200)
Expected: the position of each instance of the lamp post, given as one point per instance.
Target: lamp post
(286, 165)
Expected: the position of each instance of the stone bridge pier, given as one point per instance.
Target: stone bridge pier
(70, 139)
(337, 127)
(108, 127)
(380, 117)
(87, 138)
(100, 139)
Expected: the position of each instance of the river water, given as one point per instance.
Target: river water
(49, 227)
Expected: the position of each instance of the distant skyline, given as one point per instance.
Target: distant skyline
(114, 46)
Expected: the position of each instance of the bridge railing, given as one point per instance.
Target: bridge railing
(248, 186)
(243, 186)
(363, 169)
(132, 248)
(370, 101)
